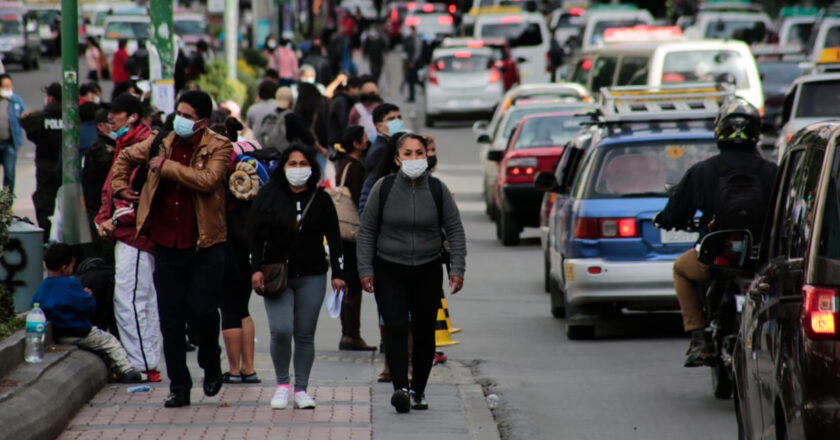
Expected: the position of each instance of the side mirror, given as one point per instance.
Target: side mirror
(521, 60)
(484, 138)
(479, 127)
(545, 182)
(728, 249)
(495, 155)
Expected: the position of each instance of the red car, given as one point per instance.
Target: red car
(535, 146)
(505, 63)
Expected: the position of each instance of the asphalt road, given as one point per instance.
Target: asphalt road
(627, 384)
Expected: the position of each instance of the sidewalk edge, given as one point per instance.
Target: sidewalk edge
(479, 419)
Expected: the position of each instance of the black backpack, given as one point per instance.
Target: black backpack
(740, 199)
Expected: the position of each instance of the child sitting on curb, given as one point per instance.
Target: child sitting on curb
(70, 307)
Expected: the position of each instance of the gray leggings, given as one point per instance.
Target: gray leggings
(295, 314)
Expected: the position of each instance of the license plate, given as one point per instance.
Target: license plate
(465, 103)
(739, 302)
(678, 237)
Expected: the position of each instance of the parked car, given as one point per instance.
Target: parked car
(810, 99)
(605, 253)
(788, 349)
(19, 39)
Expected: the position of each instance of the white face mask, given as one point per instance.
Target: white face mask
(308, 80)
(414, 168)
(298, 176)
(6, 93)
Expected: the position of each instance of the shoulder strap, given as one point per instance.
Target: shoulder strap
(437, 193)
(158, 141)
(384, 190)
(299, 224)
(344, 176)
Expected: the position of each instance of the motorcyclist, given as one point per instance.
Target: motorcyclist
(737, 128)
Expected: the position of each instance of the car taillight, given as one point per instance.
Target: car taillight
(452, 8)
(445, 20)
(548, 206)
(428, 7)
(789, 137)
(412, 21)
(432, 75)
(495, 76)
(522, 167)
(395, 15)
(606, 228)
(819, 312)
(548, 62)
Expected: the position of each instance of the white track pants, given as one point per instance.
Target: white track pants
(135, 306)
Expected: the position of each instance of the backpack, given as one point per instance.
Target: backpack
(98, 276)
(348, 214)
(366, 120)
(740, 199)
(272, 132)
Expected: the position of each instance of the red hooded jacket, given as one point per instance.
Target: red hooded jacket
(122, 210)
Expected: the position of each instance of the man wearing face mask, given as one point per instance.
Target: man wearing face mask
(362, 112)
(44, 129)
(387, 119)
(135, 300)
(11, 135)
(182, 210)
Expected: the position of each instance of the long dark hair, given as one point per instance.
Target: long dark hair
(387, 165)
(309, 101)
(352, 134)
(272, 206)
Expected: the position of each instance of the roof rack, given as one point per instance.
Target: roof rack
(663, 103)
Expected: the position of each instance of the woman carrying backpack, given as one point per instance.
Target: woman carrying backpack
(399, 252)
(350, 174)
(289, 218)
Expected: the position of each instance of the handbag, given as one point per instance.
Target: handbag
(277, 274)
(348, 213)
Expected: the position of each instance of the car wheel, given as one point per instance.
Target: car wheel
(721, 381)
(498, 227)
(576, 331)
(36, 63)
(546, 272)
(26, 65)
(509, 228)
(430, 121)
(558, 302)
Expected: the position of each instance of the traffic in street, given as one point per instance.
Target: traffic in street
(647, 196)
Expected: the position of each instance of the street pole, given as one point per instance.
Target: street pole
(162, 56)
(231, 34)
(71, 207)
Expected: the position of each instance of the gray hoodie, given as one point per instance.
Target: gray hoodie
(409, 234)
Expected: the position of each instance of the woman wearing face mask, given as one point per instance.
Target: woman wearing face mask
(282, 59)
(398, 249)
(279, 231)
(351, 174)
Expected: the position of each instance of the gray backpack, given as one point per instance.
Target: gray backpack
(272, 132)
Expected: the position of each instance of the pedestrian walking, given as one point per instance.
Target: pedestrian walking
(339, 109)
(374, 47)
(399, 252)
(414, 53)
(284, 126)
(135, 298)
(186, 181)
(316, 57)
(118, 60)
(350, 174)
(289, 220)
(362, 112)
(11, 133)
(94, 59)
(44, 128)
(264, 106)
(90, 91)
(313, 108)
(282, 59)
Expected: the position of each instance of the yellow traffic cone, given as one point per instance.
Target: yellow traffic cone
(445, 308)
(442, 338)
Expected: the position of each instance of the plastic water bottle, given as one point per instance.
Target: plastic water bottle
(492, 401)
(139, 389)
(36, 326)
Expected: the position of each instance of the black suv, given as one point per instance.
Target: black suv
(787, 355)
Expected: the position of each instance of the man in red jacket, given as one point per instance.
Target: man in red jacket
(119, 73)
(135, 298)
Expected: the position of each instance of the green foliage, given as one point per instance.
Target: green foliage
(215, 82)
(9, 322)
(254, 58)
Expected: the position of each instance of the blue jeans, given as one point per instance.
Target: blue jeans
(8, 158)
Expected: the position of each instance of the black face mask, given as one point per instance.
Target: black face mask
(432, 160)
(370, 97)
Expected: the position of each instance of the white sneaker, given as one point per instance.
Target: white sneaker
(281, 398)
(304, 401)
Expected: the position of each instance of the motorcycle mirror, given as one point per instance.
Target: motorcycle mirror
(728, 249)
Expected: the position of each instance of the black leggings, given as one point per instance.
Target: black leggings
(236, 292)
(401, 290)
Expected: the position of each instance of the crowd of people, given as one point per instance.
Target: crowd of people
(198, 209)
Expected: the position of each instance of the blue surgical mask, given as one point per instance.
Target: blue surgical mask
(395, 126)
(119, 133)
(113, 135)
(183, 126)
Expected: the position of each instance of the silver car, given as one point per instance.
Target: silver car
(810, 99)
(462, 80)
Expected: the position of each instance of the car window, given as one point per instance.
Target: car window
(705, 66)
(602, 73)
(517, 116)
(518, 34)
(633, 71)
(819, 99)
(190, 27)
(829, 245)
(644, 169)
(800, 33)
(748, 31)
(127, 29)
(796, 207)
(548, 131)
(779, 73)
(462, 62)
(832, 37)
(10, 24)
(582, 69)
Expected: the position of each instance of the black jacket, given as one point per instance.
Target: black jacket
(44, 129)
(337, 119)
(375, 153)
(98, 159)
(697, 189)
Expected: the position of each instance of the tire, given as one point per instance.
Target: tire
(546, 273)
(576, 332)
(721, 381)
(36, 63)
(558, 303)
(498, 228)
(430, 121)
(509, 228)
(26, 64)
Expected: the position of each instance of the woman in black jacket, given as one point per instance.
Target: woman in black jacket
(279, 232)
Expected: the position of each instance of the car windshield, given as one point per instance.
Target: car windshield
(99, 18)
(705, 66)
(566, 20)
(190, 27)
(750, 31)
(799, 33)
(46, 16)
(10, 24)
(548, 131)
(127, 29)
(517, 115)
(602, 26)
(518, 33)
(779, 73)
(644, 169)
(819, 99)
(431, 24)
(462, 62)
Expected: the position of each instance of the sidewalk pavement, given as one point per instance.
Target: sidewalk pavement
(351, 405)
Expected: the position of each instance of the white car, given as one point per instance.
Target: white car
(598, 21)
(796, 30)
(130, 27)
(192, 28)
(529, 40)
(96, 13)
(810, 99)
(747, 26)
(431, 21)
(461, 80)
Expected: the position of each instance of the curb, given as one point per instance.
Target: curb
(479, 419)
(50, 394)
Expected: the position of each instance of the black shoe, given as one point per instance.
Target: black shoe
(401, 401)
(212, 385)
(418, 401)
(132, 376)
(190, 347)
(699, 350)
(177, 399)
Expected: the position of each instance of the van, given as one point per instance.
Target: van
(657, 63)
(529, 40)
(19, 40)
(599, 20)
(130, 27)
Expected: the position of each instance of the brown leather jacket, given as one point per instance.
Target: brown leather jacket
(205, 176)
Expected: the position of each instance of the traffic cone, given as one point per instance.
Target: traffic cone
(445, 308)
(442, 338)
